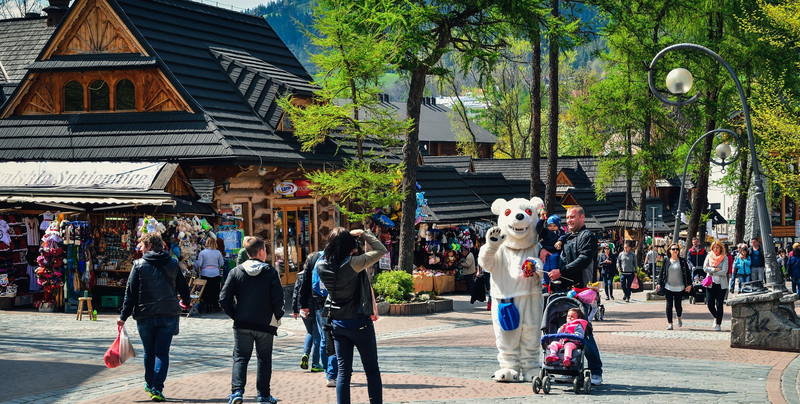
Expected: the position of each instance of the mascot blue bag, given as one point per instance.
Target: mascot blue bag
(508, 315)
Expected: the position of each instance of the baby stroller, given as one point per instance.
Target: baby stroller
(555, 315)
(698, 293)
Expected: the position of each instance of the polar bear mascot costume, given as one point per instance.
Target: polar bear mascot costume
(517, 297)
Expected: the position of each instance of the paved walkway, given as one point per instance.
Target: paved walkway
(442, 358)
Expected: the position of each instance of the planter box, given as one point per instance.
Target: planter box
(408, 309)
(417, 308)
(440, 306)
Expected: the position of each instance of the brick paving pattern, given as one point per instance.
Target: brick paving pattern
(442, 358)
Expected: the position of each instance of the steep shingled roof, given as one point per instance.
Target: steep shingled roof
(462, 164)
(228, 66)
(450, 199)
(21, 39)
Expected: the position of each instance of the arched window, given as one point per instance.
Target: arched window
(99, 96)
(125, 95)
(73, 96)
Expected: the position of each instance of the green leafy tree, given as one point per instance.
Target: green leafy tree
(352, 60)
(474, 30)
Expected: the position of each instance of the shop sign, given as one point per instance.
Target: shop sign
(303, 188)
(79, 175)
(298, 188)
(286, 188)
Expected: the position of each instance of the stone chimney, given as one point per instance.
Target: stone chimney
(56, 12)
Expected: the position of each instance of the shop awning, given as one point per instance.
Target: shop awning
(89, 200)
(80, 202)
(94, 185)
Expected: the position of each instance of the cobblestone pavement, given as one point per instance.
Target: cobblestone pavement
(442, 358)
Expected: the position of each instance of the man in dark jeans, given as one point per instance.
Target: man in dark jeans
(577, 263)
(151, 297)
(253, 298)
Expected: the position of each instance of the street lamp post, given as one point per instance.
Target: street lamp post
(723, 151)
(679, 83)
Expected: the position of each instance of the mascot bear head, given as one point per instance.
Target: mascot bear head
(517, 219)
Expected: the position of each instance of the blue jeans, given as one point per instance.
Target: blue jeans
(243, 340)
(156, 334)
(608, 284)
(625, 281)
(330, 363)
(362, 338)
(312, 338)
(592, 354)
(795, 284)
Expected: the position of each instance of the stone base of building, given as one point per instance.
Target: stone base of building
(765, 321)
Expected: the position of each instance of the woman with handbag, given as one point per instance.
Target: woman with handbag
(351, 304)
(674, 279)
(716, 266)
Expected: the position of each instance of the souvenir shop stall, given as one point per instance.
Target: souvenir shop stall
(19, 249)
(115, 248)
(438, 252)
(46, 259)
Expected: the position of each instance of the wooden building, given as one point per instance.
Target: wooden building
(170, 81)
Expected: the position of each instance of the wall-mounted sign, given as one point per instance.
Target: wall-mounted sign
(286, 188)
(303, 188)
(298, 188)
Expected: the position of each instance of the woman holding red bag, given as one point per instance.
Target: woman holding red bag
(152, 299)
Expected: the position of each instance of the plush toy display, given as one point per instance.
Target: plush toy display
(517, 295)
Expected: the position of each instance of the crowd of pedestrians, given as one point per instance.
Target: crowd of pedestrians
(339, 318)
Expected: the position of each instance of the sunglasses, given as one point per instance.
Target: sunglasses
(674, 249)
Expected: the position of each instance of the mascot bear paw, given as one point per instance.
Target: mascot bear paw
(528, 375)
(506, 375)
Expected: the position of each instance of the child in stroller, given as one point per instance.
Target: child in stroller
(698, 293)
(575, 326)
(557, 312)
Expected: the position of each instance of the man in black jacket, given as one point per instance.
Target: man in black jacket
(253, 298)
(151, 297)
(577, 264)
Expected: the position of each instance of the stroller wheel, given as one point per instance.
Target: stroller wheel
(602, 312)
(576, 384)
(537, 385)
(587, 385)
(546, 387)
(691, 299)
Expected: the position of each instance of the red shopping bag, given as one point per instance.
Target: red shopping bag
(112, 354)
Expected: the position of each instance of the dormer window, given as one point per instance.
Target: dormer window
(125, 91)
(124, 96)
(102, 96)
(73, 97)
(99, 96)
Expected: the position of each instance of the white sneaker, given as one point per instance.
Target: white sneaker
(717, 327)
(669, 327)
(597, 380)
(330, 383)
